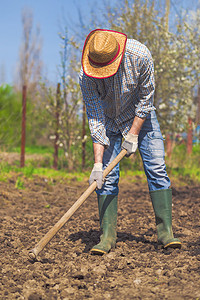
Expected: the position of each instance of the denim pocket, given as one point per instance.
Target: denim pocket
(155, 145)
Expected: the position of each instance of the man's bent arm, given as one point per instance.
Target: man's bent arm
(137, 125)
(98, 152)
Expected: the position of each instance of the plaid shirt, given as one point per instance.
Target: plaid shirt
(112, 103)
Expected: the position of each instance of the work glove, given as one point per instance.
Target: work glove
(130, 144)
(97, 175)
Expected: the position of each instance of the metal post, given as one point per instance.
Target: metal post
(23, 132)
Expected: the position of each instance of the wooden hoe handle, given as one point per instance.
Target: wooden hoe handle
(50, 234)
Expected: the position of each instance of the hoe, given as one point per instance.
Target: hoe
(50, 234)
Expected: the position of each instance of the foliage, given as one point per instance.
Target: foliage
(10, 117)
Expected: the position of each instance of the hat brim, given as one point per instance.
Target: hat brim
(108, 70)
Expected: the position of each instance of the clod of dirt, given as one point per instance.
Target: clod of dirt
(78, 276)
(35, 296)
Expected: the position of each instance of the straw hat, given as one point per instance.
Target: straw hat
(102, 52)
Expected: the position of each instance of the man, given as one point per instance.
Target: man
(117, 83)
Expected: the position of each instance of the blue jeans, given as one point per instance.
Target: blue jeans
(151, 147)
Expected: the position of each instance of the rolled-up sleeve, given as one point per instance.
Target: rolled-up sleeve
(94, 109)
(146, 88)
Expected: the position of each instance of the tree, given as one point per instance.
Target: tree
(30, 64)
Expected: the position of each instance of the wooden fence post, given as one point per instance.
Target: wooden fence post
(168, 145)
(57, 114)
(23, 132)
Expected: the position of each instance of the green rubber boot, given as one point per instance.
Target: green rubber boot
(162, 205)
(108, 223)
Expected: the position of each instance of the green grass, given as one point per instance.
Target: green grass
(51, 173)
(35, 150)
(6, 171)
(186, 175)
(19, 183)
(180, 166)
(133, 175)
(183, 166)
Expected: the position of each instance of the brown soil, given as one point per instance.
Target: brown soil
(137, 269)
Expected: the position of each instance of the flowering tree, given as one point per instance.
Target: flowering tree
(175, 54)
